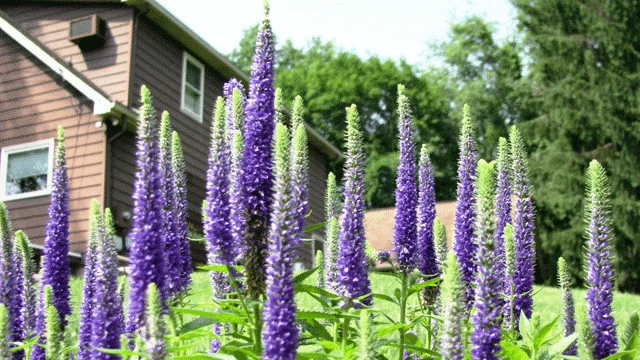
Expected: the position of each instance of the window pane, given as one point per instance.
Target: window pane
(191, 100)
(193, 75)
(27, 171)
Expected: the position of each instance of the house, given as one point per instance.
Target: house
(378, 224)
(80, 64)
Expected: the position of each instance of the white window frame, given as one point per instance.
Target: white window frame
(15, 149)
(187, 57)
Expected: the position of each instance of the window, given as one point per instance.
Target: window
(192, 87)
(26, 170)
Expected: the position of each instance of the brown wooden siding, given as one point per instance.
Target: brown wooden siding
(33, 102)
(108, 66)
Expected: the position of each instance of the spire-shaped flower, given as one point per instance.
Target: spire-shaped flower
(278, 103)
(367, 341)
(332, 210)
(463, 242)
(236, 201)
(7, 277)
(509, 269)
(55, 266)
(486, 334)
(352, 277)
(146, 252)
(299, 163)
(257, 178)
(568, 308)
(600, 262)
(523, 242)
(153, 331)
(440, 244)
(53, 332)
(110, 228)
(26, 287)
(180, 207)
(280, 332)
(452, 294)
(228, 90)
(107, 309)
(319, 263)
(426, 216)
(88, 289)
(503, 199)
(405, 219)
(174, 283)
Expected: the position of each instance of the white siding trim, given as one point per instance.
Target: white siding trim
(188, 57)
(8, 150)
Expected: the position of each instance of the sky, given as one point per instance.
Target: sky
(391, 29)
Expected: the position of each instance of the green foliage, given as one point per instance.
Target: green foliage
(538, 341)
(5, 332)
(440, 242)
(53, 327)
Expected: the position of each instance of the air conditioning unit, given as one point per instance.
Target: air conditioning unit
(88, 32)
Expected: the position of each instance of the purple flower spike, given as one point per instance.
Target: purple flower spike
(55, 267)
(26, 287)
(280, 332)
(463, 243)
(600, 262)
(523, 242)
(146, 253)
(180, 206)
(405, 219)
(486, 334)
(453, 311)
(568, 308)
(88, 289)
(426, 216)
(236, 201)
(6, 269)
(228, 90)
(352, 277)
(256, 158)
(503, 203)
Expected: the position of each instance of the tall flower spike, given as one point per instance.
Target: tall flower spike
(319, 263)
(352, 277)
(257, 178)
(367, 343)
(180, 207)
(278, 104)
(217, 226)
(463, 243)
(453, 311)
(280, 332)
(509, 264)
(236, 204)
(53, 325)
(600, 262)
(299, 165)
(118, 306)
(146, 252)
(26, 287)
(503, 199)
(172, 249)
(228, 90)
(5, 332)
(486, 334)
(426, 216)
(7, 277)
(55, 267)
(332, 210)
(523, 242)
(89, 286)
(405, 219)
(568, 309)
(107, 308)
(440, 244)
(154, 327)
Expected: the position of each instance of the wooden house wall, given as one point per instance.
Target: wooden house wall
(33, 102)
(108, 66)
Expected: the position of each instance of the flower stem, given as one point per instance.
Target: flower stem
(403, 308)
(257, 329)
(345, 335)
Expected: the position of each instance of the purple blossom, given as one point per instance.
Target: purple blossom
(174, 282)
(426, 216)
(217, 226)
(146, 253)
(600, 262)
(257, 178)
(180, 207)
(464, 244)
(228, 90)
(280, 332)
(405, 219)
(384, 256)
(503, 205)
(7, 286)
(89, 285)
(523, 242)
(352, 277)
(486, 334)
(55, 267)
(107, 309)
(26, 284)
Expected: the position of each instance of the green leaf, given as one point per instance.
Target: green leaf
(562, 345)
(512, 351)
(312, 289)
(541, 335)
(311, 227)
(304, 275)
(217, 316)
(385, 298)
(422, 285)
(303, 315)
(221, 268)
(385, 330)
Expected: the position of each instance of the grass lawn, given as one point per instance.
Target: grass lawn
(547, 300)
